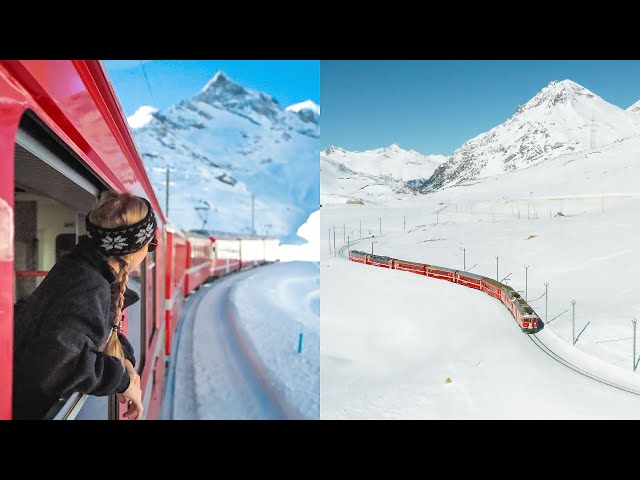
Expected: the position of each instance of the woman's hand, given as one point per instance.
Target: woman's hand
(133, 394)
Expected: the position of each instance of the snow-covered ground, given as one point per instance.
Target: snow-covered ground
(271, 308)
(234, 355)
(389, 339)
(309, 251)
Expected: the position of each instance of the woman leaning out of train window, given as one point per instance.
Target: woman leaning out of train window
(67, 333)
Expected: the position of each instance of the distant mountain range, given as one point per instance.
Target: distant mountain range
(226, 143)
(563, 118)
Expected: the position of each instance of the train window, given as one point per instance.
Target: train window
(151, 289)
(137, 328)
(53, 190)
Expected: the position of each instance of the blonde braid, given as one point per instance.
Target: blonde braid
(114, 347)
(115, 210)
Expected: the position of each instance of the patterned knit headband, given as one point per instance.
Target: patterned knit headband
(123, 240)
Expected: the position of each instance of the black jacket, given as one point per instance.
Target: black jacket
(59, 330)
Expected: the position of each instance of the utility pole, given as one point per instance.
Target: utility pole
(360, 228)
(497, 276)
(546, 302)
(348, 248)
(334, 242)
(464, 259)
(371, 248)
(526, 281)
(329, 241)
(634, 344)
(404, 223)
(573, 306)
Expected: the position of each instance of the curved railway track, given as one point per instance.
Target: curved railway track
(541, 345)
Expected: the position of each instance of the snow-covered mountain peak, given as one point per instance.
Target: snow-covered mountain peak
(564, 92)
(225, 143)
(563, 117)
(332, 150)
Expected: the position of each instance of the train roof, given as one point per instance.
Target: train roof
(411, 263)
(452, 270)
(380, 256)
(495, 283)
(472, 275)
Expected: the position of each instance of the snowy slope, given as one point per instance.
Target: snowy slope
(226, 143)
(635, 107)
(558, 120)
(392, 161)
(390, 340)
(271, 307)
(339, 183)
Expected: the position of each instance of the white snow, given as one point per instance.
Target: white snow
(309, 251)
(390, 339)
(271, 308)
(141, 117)
(307, 104)
(392, 161)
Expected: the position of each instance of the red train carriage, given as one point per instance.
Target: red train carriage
(442, 273)
(198, 261)
(64, 140)
(176, 261)
(491, 287)
(419, 268)
(379, 261)
(527, 317)
(225, 252)
(468, 279)
(358, 256)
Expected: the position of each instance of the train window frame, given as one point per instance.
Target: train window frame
(37, 146)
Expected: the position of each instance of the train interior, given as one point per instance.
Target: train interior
(53, 193)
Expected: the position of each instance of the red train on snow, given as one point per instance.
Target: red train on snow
(526, 317)
(64, 140)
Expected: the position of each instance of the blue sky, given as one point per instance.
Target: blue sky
(435, 106)
(169, 81)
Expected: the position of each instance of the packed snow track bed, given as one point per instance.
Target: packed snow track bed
(211, 375)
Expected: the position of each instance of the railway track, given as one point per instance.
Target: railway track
(542, 346)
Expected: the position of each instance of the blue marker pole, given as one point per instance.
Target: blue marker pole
(300, 344)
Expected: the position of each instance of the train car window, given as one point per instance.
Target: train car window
(151, 278)
(53, 189)
(138, 325)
